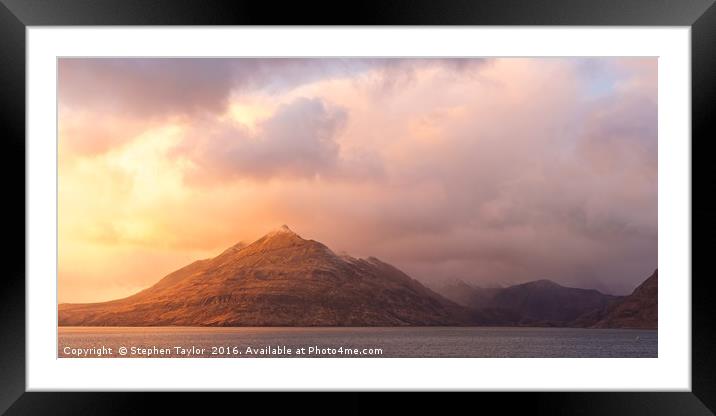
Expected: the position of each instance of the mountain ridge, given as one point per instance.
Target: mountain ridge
(280, 279)
(546, 303)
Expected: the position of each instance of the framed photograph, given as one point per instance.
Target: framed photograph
(415, 197)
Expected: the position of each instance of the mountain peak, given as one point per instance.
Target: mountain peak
(282, 230)
(280, 237)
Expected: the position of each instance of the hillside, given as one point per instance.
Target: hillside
(279, 280)
(638, 310)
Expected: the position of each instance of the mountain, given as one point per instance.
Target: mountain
(638, 310)
(466, 294)
(279, 280)
(546, 303)
(536, 303)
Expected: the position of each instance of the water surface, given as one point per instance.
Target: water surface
(166, 342)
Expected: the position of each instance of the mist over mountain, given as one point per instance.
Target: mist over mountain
(539, 303)
(546, 303)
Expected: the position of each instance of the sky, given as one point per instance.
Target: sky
(493, 171)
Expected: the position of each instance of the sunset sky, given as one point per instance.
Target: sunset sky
(493, 171)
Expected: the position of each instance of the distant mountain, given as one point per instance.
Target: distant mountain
(638, 310)
(466, 294)
(536, 303)
(279, 280)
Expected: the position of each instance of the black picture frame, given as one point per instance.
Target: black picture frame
(16, 15)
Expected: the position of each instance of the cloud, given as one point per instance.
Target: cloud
(150, 87)
(298, 141)
(491, 171)
(145, 87)
(106, 102)
(522, 180)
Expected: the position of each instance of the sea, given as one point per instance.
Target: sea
(354, 342)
